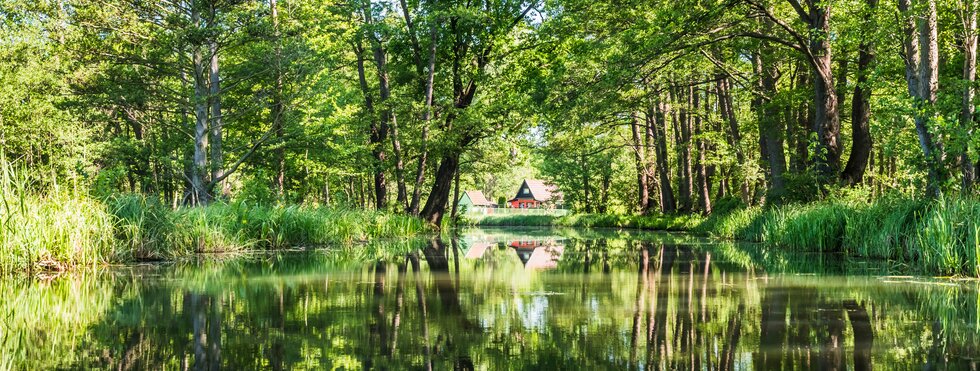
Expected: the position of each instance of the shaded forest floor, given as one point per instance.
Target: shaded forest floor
(932, 237)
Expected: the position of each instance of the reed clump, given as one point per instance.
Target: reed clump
(154, 231)
(61, 229)
(52, 231)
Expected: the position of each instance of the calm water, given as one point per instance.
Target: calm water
(496, 299)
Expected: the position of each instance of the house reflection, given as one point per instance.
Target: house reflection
(533, 253)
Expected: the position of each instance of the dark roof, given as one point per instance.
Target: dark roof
(478, 199)
(541, 191)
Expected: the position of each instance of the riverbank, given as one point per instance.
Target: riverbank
(63, 230)
(933, 237)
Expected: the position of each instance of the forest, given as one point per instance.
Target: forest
(135, 129)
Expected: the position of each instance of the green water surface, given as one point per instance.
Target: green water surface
(495, 299)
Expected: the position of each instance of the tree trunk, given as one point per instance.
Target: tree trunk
(604, 192)
(668, 203)
(454, 216)
(704, 193)
(969, 92)
(861, 141)
(435, 204)
(426, 122)
(684, 151)
(769, 131)
(379, 128)
(396, 149)
(639, 160)
(278, 109)
(199, 192)
(803, 123)
(726, 104)
(827, 114)
(650, 146)
(586, 187)
(928, 89)
(217, 154)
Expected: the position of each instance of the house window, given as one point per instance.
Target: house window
(525, 191)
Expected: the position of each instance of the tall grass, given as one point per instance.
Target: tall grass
(59, 229)
(153, 231)
(49, 231)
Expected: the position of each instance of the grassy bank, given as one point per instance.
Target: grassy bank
(940, 237)
(65, 229)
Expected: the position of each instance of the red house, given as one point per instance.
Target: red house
(535, 194)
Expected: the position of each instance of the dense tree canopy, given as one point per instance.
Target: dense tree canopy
(637, 106)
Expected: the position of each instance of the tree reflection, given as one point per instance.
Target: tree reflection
(615, 303)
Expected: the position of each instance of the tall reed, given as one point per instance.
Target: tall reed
(56, 230)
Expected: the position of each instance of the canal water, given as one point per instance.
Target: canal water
(496, 299)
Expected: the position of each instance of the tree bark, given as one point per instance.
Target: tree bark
(769, 131)
(278, 108)
(704, 193)
(643, 191)
(426, 123)
(967, 112)
(217, 152)
(827, 114)
(684, 150)
(199, 192)
(928, 86)
(435, 204)
(726, 105)
(455, 213)
(668, 203)
(861, 141)
(586, 186)
(379, 127)
(396, 149)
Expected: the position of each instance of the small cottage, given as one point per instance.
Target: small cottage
(474, 199)
(534, 194)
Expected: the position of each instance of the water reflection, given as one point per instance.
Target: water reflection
(496, 299)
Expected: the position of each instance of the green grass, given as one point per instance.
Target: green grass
(64, 229)
(51, 231)
(153, 231)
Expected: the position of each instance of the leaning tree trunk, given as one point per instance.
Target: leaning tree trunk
(827, 113)
(861, 141)
(435, 204)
